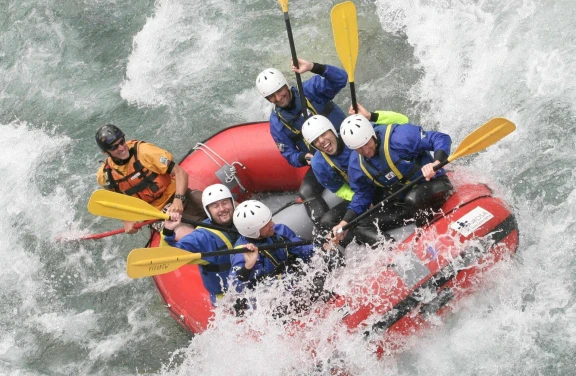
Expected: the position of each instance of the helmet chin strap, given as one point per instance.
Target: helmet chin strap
(378, 142)
(339, 146)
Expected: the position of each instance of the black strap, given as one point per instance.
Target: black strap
(216, 268)
(327, 109)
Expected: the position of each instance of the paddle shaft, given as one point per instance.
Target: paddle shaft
(295, 62)
(387, 199)
(353, 96)
(118, 231)
(107, 233)
(187, 256)
(260, 248)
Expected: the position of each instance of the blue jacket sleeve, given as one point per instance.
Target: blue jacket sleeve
(285, 144)
(305, 252)
(414, 140)
(328, 85)
(197, 241)
(238, 263)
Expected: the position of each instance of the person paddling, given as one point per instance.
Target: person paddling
(385, 159)
(287, 118)
(254, 222)
(143, 170)
(219, 205)
(330, 164)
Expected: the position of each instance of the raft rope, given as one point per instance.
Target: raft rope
(229, 171)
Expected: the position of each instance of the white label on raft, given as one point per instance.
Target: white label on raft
(471, 221)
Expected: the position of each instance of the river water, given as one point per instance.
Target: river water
(173, 72)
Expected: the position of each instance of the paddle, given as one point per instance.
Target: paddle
(486, 135)
(147, 262)
(105, 234)
(128, 208)
(284, 5)
(345, 30)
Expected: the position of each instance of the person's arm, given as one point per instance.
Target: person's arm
(415, 140)
(388, 117)
(305, 252)
(181, 177)
(440, 143)
(242, 272)
(285, 144)
(380, 117)
(328, 82)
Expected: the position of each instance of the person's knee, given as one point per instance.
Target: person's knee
(306, 191)
(316, 208)
(428, 194)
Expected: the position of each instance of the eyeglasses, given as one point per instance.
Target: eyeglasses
(116, 146)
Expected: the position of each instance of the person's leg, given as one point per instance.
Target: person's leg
(393, 215)
(428, 197)
(333, 216)
(311, 194)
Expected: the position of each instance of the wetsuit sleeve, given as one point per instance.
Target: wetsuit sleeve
(155, 159)
(388, 117)
(327, 85)
(285, 144)
(305, 252)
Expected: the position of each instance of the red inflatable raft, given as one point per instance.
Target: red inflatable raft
(429, 267)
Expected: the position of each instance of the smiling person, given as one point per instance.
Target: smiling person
(330, 164)
(219, 205)
(254, 222)
(287, 118)
(384, 159)
(143, 170)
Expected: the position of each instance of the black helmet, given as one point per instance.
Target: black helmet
(107, 135)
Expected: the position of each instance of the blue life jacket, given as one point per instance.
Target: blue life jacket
(269, 262)
(286, 124)
(403, 150)
(216, 270)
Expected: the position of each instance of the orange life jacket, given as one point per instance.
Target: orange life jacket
(139, 181)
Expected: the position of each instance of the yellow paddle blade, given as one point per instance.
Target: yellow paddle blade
(284, 5)
(126, 208)
(486, 135)
(147, 262)
(345, 29)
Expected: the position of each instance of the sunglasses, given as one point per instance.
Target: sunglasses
(116, 146)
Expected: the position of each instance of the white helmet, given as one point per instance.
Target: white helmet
(356, 131)
(269, 81)
(213, 193)
(250, 216)
(315, 126)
